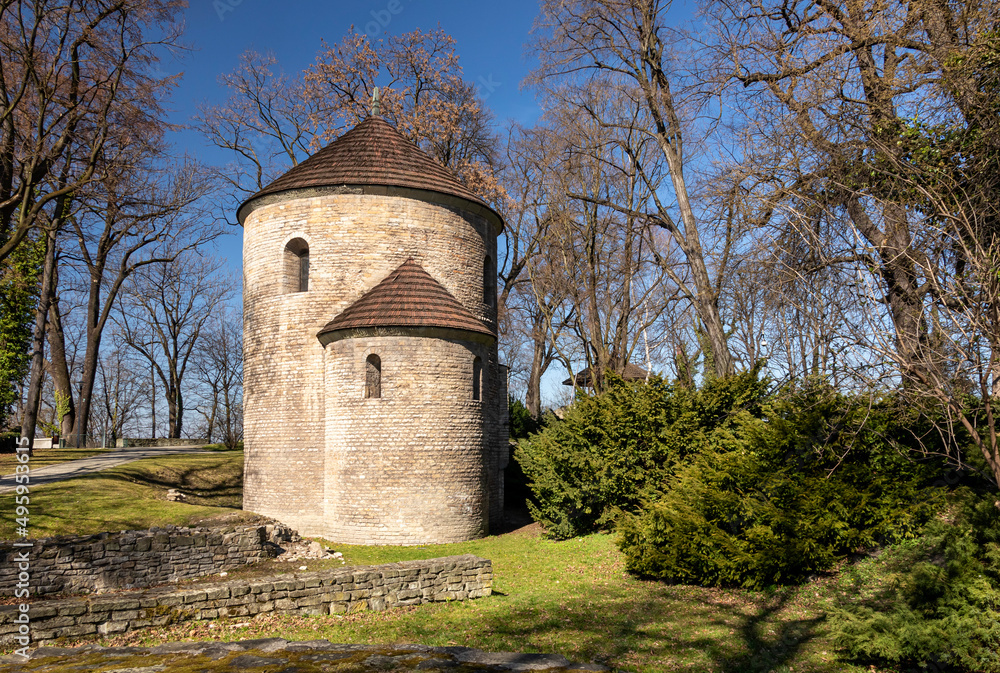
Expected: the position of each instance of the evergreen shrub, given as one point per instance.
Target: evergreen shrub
(521, 422)
(8, 441)
(789, 493)
(614, 452)
(932, 603)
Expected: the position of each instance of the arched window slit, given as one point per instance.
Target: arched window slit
(297, 266)
(373, 376)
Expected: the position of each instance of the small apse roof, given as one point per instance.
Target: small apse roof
(407, 297)
(373, 153)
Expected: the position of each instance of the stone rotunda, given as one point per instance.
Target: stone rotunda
(375, 405)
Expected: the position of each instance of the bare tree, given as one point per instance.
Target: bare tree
(622, 49)
(165, 308)
(119, 395)
(140, 215)
(273, 121)
(422, 94)
(875, 126)
(529, 305)
(219, 367)
(265, 124)
(829, 87)
(73, 74)
(610, 269)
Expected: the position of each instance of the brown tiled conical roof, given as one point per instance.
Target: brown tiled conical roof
(372, 153)
(407, 297)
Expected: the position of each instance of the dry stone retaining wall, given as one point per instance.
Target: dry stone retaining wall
(325, 592)
(137, 558)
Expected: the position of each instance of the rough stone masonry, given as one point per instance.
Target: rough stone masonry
(325, 592)
(271, 654)
(133, 559)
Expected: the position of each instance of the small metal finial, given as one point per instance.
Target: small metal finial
(376, 110)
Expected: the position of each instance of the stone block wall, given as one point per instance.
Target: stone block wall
(417, 451)
(132, 559)
(337, 591)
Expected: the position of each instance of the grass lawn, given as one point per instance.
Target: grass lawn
(46, 457)
(572, 597)
(132, 496)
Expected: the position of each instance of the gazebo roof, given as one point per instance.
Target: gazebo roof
(632, 373)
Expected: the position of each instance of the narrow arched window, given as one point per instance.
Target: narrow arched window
(373, 376)
(296, 266)
(489, 282)
(477, 379)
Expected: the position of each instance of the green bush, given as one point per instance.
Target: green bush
(935, 601)
(521, 422)
(8, 441)
(783, 497)
(613, 452)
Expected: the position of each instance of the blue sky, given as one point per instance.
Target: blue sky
(490, 44)
(490, 41)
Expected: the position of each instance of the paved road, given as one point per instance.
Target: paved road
(82, 466)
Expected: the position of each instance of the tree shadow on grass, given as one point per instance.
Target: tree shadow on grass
(766, 651)
(208, 486)
(95, 502)
(668, 628)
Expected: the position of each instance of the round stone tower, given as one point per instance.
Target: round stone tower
(375, 406)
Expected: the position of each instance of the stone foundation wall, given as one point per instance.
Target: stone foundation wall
(337, 591)
(134, 559)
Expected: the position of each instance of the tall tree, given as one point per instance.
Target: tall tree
(528, 304)
(220, 371)
(73, 72)
(165, 309)
(622, 48)
(877, 125)
(141, 215)
(599, 236)
(272, 121)
(119, 395)
(830, 85)
(19, 278)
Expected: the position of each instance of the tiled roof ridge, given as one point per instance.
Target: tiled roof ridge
(407, 297)
(372, 153)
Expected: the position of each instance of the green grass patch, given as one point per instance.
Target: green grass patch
(219, 446)
(46, 457)
(132, 496)
(573, 598)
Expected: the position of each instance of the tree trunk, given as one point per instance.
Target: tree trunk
(533, 398)
(30, 418)
(152, 395)
(87, 381)
(59, 370)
